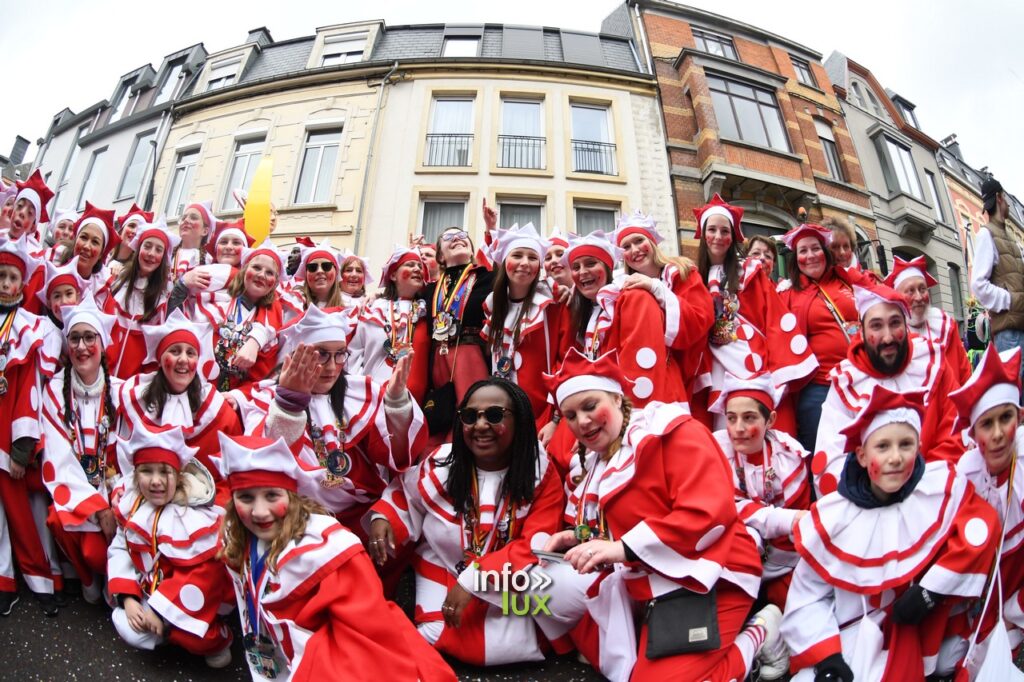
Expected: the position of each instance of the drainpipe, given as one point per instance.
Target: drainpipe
(157, 148)
(369, 158)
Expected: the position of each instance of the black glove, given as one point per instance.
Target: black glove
(833, 669)
(913, 605)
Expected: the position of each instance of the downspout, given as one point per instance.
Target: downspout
(158, 147)
(370, 156)
(649, 58)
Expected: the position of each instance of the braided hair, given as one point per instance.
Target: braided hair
(520, 480)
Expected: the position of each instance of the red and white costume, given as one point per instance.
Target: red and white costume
(852, 382)
(35, 191)
(165, 556)
(321, 609)
(184, 259)
(368, 354)
(420, 512)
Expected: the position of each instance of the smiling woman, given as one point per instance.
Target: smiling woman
(471, 507)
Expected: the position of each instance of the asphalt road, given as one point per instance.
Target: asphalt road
(81, 644)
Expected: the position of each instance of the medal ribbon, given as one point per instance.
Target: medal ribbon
(5, 334)
(255, 585)
(581, 506)
(764, 497)
(442, 303)
(482, 541)
(152, 541)
(834, 309)
(410, 322)
(79, 432)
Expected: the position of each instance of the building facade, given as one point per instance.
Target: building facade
(106, 154)
(913, 216)
(749, 115)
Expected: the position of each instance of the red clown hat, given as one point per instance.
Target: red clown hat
(903, 270)
(35, 190)
(718, 206)
(579, 373)
(995, 381)
(104, 220)
(884, 407)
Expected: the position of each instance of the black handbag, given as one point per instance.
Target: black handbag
(439, 408)
(682, 622)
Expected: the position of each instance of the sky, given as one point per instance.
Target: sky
(961, 63)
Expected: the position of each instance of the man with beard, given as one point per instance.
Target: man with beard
(912, 279)
(885, 353)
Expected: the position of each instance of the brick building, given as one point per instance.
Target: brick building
(749, 115)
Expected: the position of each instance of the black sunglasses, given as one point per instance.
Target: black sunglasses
(327, 266)
(493, 415)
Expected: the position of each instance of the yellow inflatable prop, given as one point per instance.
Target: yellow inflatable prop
(257, 206)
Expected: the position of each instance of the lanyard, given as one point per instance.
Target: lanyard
(155, 571)
(482, 542)
(79, 434)
(834, 309)
(410, 322)
(581, 507)
(442, 303)
(255, 585)
(768, 492)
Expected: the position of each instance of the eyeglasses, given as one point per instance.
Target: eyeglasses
(327, 266)
(493, 415)
(324, 356)
(448, 236)
(87, 339)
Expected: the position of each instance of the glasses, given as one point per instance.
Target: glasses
(324, 356)
(493, 415)
(86, 339)
(327, 266)
(448, 236)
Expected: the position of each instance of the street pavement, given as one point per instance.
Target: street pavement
(81, 644)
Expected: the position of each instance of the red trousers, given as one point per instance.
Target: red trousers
(25, 544)
(86, 550)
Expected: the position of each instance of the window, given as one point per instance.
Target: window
(73, 156)
(747, 113)
(592, 148)
(460, 47)
(318, 162)
(450, 140)
(521, 143)
(438, 216)
(715, 44)
(828, 146)
(956, 293)
(343, 49)
(222, 75)
(933, 191)
(803, 71)
(520, 213)
(170, 83)
(131, 183)
(858, 94)
(907, 113)
(120, 105)
(93, 172)
(874, 103)
(902, 169)
(243, 167)
(181, 181)
(590, 218)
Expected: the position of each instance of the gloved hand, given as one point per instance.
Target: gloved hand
(913, 605)
(833, 669)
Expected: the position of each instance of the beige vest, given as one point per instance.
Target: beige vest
(1008, 273)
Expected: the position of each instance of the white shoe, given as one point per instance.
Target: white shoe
(93, 594)
(773, 655)
(221, 659)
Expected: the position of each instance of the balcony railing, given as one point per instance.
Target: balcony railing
(593, 157)
(521, 151)
(448, 149)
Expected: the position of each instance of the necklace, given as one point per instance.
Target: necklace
(336, 461)
(769, 493)
(94, 464)
(447, 310)
(5, 348)
(399, 344)
(476, 540)
(582, 528)
(503, 363)
(231, 336)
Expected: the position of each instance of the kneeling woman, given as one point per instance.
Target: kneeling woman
(161, 565)
(310, 601)
(666, 526)
(471, 507)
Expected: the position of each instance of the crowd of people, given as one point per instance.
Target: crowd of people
(722, 475)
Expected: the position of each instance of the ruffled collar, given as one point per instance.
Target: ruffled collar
(855, 484)
(83, 390)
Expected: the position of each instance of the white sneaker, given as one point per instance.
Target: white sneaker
(93, 594)
(221, 659)
(773, 655)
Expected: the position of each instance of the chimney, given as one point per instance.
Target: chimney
(952, 146)
(260, 36)
(19, 149)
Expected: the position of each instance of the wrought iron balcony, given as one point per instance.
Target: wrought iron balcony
(593, 157)
(521, 151)
(448, 149)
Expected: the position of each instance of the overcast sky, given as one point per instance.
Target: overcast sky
(961, 63)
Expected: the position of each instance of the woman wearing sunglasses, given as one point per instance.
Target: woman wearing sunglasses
(350, 434)
(455, 312)
(244, 320)
(522, 318)
(317, 278)
(472, 506)
(394, 324)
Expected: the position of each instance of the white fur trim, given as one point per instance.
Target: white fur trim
(586, 382)
(1000, 394)
(715, 210)
(901, 415)
(907, 274)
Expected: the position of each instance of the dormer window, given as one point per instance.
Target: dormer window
(461, 47)
(907, 113)
(712, 43)
(343, 49)
(222, 75)
(170, 82)
(120, 105)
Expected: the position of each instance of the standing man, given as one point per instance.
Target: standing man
(997, 278)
